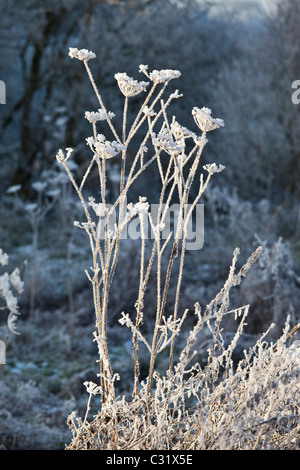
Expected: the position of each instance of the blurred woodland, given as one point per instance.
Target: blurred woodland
(242, 70)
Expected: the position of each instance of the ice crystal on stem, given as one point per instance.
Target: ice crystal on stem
(128, 86)
(11, 285)
(100, 209)
(82, 54)
(181, 132)
(205, 121)
(164, 140)
(159, 76)
(140, 207)
(61, 157)
(213, 168)
(164, 76)
(100, 115)
(104, 148)
(92, 388)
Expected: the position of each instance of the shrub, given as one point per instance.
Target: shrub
(191, 405)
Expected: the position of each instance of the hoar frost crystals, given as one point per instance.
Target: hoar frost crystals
(128, 86)
(82, 54)
(205, 121)
(11, 285)
(100, 115)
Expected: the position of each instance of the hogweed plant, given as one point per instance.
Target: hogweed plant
(190, 405)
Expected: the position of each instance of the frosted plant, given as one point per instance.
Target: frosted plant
(82, 54)
(159, 76)
(100, 115)
(189, 405)
(205, 121)
(11, 286)
(128, 86)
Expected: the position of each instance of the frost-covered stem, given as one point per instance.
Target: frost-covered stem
(102, 174)
(173, 176)
(125, 119)
(158, 284)
(97, 301)
(105, 274)
(79, 193)
(162, 304)
(87, 408)
(100, 313)
(158, 269)
(100, 100)
(140, 303)
(123, 165)
(194, 166)
(235, 340)
(134, 126)
(182, 255)
(184, 356)
(105, 362)
(119, 201)
(106, 249)
(102, 306)
(202, 188)
(151, 369)
(158, 321)
(131, 176)
(136, 332)
(159, 252)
